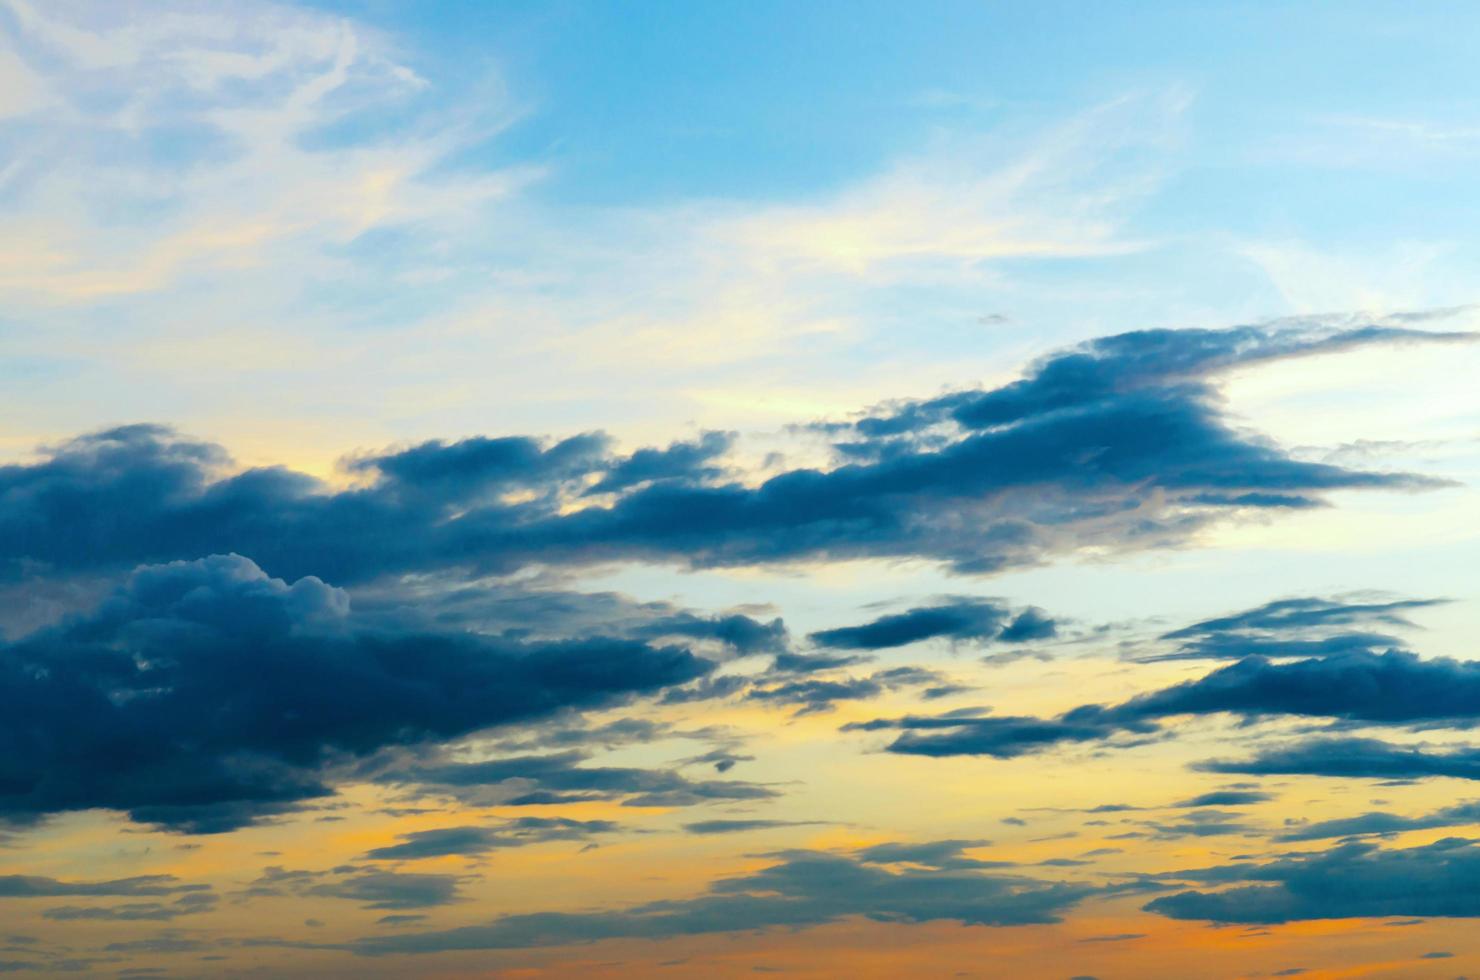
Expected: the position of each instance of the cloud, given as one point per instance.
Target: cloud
(742, 634)
(803, 888)
(189, 904)
(1117, 443)
(1354, 758)
(1376, 822)
(815, 695)
(941, 855)
(562, 778)
(687, 461)
(962, 619)
(1287, 615)
(1003, 737)
(1297, 627)
(1226, 797)
(1392, 688)
(711, 827)
(1201, 823)
(235, 140)
(32, 886)
(1351, 881)
(203, 695)
(390, 890)
(373, 888)
(473, 841)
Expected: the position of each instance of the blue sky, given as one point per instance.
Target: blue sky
(697, 489)
(1203, 163)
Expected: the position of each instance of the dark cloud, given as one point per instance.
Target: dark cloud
(1459, 815)
(813, 695)
(960, 620)
(563, 778)
(941, 855)
(1226, 797)
(1287, 615)
(688, 461)
(1351, 881)
(1119, 442)
(1360, 758)
(723, 760)
(812, 663)
(203, 695)
(472, 841)
(803, 888)
(1392, 688)
(740, 633)
(1298, 627)
(33, 886)
(1003, 737)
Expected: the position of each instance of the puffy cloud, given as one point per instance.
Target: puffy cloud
(202, 695)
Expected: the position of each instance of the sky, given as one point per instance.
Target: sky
(703, 490)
